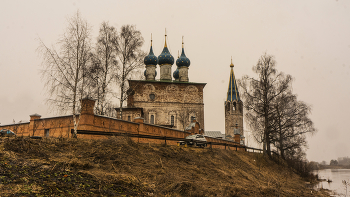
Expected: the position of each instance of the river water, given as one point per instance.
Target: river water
(337, 176)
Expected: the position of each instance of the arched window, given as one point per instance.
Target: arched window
(172, 120)
(152, 119)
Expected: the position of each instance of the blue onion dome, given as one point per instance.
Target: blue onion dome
(183, 60)
(176, 74)
(165, 57)
(151, 59)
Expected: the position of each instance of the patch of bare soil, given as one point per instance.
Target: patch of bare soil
(120, 167)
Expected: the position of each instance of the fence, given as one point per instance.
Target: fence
(165, 138)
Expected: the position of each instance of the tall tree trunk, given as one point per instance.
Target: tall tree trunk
(121, 97)
(75, 96)
(280, 132)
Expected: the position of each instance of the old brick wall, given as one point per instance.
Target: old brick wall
(21, 129)
(61, 127)
(56, 127)
(53, 127)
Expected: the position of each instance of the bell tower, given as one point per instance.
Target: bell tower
(233, 108)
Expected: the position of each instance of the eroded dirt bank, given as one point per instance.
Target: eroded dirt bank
(120, 167)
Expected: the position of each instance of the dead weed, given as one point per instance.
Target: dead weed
(119, 166)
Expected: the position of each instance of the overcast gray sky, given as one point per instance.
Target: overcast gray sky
(309, 39)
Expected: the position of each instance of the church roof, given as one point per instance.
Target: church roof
(232, 92)
(215, 134)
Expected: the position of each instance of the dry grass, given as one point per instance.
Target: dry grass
(120, 167)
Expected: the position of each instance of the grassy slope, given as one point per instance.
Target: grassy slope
(119, 167)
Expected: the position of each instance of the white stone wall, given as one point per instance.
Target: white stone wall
(183, 74)
(180, 100)
(165, 72)
(150, 72)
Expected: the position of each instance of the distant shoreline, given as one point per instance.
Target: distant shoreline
(322, 167)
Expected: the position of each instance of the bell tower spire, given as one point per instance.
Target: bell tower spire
(165, 45)
(232, 92)
(233, 109)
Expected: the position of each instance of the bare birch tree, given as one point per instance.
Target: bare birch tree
(65, 69)
(130, 58)
(183, 117)
(290, 124)
(259, 94)
(104, 68)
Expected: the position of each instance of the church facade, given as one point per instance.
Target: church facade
(172, 100)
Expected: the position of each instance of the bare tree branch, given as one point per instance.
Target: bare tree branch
(65, 70)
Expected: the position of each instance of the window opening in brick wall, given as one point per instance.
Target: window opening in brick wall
(152, 119)
(172, 120)
(129, 118)
(47, 132)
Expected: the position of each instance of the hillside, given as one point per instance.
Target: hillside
(120, 167)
